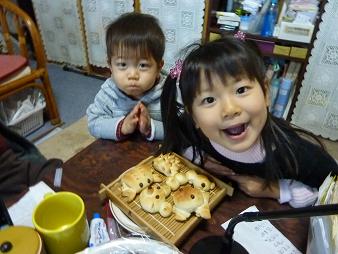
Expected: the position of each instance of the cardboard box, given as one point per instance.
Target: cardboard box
(281, 50)
(266, 47)
(296, 31)
(298, 52)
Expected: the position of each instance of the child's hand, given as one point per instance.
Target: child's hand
(144, 121)
(131, 120)
(256, 187)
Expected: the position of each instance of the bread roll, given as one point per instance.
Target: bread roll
(167, 164)
(136, 179)
(153, 199)
(188, 200)
(199, 181)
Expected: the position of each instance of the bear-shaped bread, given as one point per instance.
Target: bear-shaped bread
(153, 199)
(136, 179)
(199, 181)
(167, 164)
(176, 181)
(188, 199)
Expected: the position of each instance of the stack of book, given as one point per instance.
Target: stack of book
(283, 88)
(227, 20)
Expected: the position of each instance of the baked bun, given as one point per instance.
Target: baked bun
(153, 199)
(176, 181)
(136, 179)
(199, 181)
(187, 200)
(167, 164)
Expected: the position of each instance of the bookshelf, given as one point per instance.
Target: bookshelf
(270, 47)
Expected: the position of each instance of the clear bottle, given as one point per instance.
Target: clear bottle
(98, 231)
(270, 19)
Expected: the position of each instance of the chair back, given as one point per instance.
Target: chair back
(25, 40)
(13, 18)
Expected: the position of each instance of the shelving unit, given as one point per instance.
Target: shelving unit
(211, 26)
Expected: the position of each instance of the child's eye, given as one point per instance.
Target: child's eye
(144, 66)
(121, 65)
(208, 100)
(242, 90)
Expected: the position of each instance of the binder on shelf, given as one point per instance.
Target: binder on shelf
(274, 88)
(293, 75)
(282, 97)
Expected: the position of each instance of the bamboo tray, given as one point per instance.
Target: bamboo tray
(167, 229)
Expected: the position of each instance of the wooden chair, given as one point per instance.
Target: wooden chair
(38, 78)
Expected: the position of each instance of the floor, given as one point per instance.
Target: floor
(68, 142)
(71, 140)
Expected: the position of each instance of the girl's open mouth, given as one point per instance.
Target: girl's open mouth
(236, 130)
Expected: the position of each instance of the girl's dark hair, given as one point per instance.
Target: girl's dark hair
(226, 57)
(135, 34)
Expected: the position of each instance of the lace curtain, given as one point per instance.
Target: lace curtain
(181, 21)
(317, 106)
(63, 36)
(97, 15)
(61, 31)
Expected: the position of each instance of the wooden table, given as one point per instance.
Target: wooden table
(103, 161)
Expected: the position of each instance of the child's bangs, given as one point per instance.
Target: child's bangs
(225, 70)
(131, 50)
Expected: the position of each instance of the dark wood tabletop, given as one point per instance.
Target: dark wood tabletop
(104, 160)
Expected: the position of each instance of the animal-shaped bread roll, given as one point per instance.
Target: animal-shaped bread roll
(199, 181)
(167, 164)
(187, 200)
(136, 179)
(153, 199)
(176, 181)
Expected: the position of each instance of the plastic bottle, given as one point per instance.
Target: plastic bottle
(98, 231)
(270, 19)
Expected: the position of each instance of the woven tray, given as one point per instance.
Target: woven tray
(167, 229)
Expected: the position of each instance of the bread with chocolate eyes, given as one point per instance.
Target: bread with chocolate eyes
(153, 199)
(176, 181)
(167, 164)
(199, 181)
(187, 200)
(136, 179)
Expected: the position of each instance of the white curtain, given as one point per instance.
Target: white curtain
(317, 106)
(61, 31)
(181, 21)
(97, 15)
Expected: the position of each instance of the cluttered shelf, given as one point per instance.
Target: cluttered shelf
(272, 46)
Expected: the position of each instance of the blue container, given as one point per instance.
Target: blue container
(270, 19)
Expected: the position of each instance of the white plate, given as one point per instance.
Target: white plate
(132, 245)
(123, 220)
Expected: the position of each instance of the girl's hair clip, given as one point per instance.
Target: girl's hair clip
(240, 35)
(175, 71)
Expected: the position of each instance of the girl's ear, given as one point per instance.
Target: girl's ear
(160, 65)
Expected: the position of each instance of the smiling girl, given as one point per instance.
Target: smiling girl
(215, 112)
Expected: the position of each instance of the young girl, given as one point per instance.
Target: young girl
(215, 112)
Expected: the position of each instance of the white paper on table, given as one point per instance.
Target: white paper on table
(261, 237)
(21, 212)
